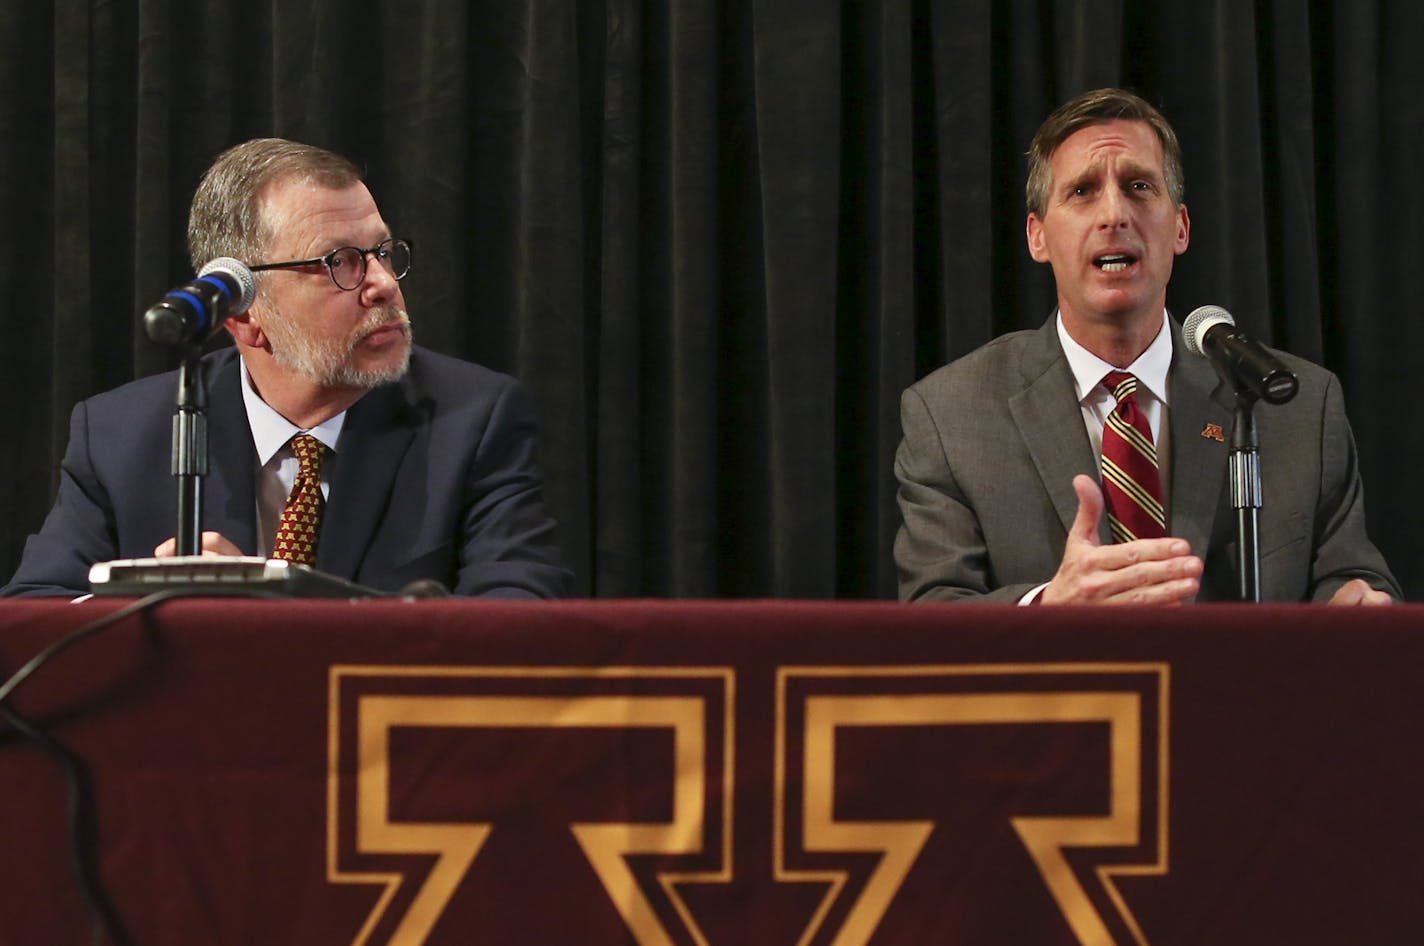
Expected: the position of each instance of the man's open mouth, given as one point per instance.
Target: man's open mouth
(1114, 262)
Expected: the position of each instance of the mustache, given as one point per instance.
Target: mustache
(381, 317)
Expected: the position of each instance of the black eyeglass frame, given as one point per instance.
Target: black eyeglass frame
(376, 250)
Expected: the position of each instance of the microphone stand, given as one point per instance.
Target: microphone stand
(1244, 470)
(190, 450)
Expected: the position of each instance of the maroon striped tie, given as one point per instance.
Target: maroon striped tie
(1132, 485)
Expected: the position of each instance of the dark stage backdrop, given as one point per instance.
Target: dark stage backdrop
(716, 239)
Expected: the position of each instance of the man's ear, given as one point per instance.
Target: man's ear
(1184, 230)
(1037, 247)
(246, 331)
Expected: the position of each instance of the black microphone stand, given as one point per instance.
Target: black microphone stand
(190, 450)
(1244, 470)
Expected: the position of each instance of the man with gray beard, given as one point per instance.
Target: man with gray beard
(426, 464)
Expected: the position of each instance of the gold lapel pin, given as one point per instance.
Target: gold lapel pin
(1214, 432)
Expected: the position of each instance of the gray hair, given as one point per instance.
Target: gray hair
(226, 216)
(1098, 107)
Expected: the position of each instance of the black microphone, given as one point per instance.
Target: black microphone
(1241, 362)
(194, 310)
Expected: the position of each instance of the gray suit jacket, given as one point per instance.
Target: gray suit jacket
(992, 443)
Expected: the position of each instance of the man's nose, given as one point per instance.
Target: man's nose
(1112, 209)
(379, 285)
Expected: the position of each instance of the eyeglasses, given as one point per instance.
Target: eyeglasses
(347, 264)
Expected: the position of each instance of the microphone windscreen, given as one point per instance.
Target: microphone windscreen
(242, 276)
(1195, 327)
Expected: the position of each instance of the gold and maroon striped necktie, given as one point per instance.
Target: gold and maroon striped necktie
(1132, 483)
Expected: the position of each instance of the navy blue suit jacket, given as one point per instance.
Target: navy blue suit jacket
(437, 479)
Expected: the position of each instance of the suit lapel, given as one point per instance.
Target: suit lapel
(229, 501)
(1047, 415)
(1201, 409)
(374, 440)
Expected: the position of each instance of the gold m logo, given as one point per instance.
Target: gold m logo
(370, 707)
(819, 709)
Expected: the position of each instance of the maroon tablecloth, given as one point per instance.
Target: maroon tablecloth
(709, 774)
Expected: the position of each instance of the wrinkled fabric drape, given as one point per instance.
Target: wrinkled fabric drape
(716, 239)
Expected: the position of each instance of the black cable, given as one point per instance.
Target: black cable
(104, 915)
(81, 838)
(76, 775)
(85, 630)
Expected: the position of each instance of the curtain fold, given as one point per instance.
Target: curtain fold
(715, 239)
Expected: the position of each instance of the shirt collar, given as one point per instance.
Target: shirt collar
(271, 431)
(1150, 368)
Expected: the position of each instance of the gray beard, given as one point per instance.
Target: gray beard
(328, 364)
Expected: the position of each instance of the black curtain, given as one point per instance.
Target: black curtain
(716, 239)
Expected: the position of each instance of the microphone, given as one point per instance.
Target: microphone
(194, 310)
(1241, 362)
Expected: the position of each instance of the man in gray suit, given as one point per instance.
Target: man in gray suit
(999, 467)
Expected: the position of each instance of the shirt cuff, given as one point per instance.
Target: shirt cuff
(1031, 597)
